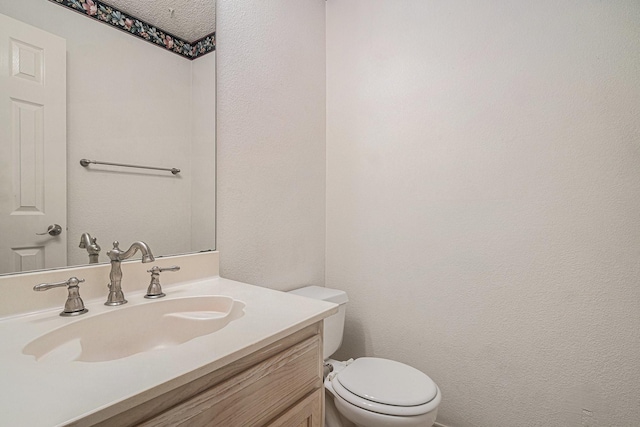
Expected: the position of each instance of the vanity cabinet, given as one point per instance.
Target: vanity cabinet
(279, 385)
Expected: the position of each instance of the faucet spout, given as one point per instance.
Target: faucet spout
(116, 255)
(89, 243)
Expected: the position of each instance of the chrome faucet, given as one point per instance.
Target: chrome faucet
(74, 305)
(88, 243)
(116, 296)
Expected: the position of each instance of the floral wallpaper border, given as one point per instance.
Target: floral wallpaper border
(109, 15)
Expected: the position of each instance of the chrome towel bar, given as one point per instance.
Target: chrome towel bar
(85, 163)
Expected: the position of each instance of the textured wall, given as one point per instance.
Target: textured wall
(271, 141)
(483, 199)
(191, 19)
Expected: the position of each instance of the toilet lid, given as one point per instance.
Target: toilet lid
(387, 382)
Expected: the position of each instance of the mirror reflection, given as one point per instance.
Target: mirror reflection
(131, 83)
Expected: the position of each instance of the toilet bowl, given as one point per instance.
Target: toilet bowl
(375, 392)
(369, 391)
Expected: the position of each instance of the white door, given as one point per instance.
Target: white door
(33, 171)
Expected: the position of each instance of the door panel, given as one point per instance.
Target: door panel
(33, 160)
(28, 157)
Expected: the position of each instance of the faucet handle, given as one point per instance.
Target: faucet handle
(155, 289)
(161, 269)
(74, 305)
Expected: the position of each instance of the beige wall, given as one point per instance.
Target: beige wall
(271, 141)
(483, 199)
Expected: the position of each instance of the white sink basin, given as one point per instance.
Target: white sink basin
(135, 329)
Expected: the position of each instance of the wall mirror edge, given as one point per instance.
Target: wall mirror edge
(127, 101)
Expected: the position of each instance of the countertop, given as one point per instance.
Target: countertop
(51, 393)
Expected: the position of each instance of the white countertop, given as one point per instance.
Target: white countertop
(50, 393)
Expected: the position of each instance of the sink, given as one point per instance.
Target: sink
(136, 329)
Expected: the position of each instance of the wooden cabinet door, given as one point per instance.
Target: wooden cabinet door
(254, 396)
(306, 413)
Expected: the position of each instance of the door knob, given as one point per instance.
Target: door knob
(52, 230)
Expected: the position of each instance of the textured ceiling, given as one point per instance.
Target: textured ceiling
(191, 19)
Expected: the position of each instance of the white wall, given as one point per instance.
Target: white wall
(203, 152)
(483, 199)
(271, 141)
(129, 102)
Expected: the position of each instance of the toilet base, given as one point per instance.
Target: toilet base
(333, 417)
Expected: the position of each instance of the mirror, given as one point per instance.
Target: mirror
(136, 94)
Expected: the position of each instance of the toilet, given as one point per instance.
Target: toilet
(369, 391)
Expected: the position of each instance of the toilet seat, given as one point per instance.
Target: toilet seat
(386, 387)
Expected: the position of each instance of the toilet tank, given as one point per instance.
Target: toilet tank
(334, 324)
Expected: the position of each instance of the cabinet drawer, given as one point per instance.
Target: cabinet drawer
(253, 396)
(306, 413)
